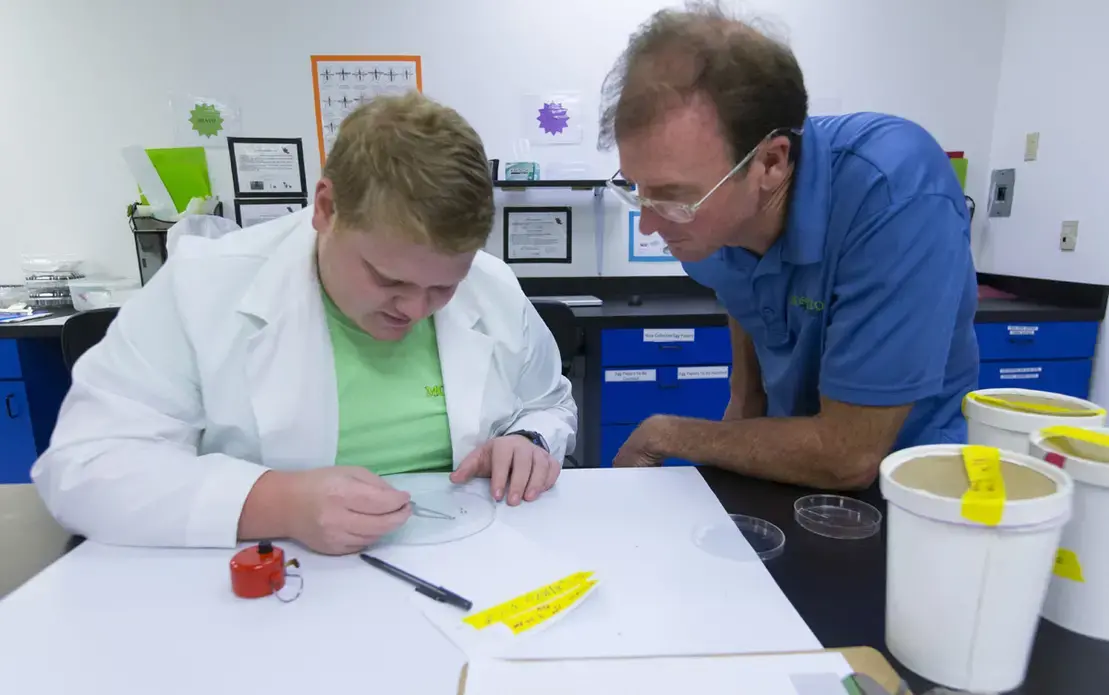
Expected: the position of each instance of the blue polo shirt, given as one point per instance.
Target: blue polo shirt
(868, 297)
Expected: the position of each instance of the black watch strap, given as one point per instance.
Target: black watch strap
(533, 437)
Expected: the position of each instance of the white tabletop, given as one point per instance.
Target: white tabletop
(129, 620)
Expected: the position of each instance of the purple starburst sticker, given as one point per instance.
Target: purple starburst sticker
(553, 118)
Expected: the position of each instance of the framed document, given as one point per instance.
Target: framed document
(256, 211)
(267, 167)
(537, 235)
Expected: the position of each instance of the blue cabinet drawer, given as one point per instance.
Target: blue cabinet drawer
(1069, 377)
(614, 436)
(17, 441)
(629, 396)
(1053, 340)
(650, 347)
(9, 360)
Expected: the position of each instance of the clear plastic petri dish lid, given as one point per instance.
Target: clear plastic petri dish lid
(719, 539)
(835, 516)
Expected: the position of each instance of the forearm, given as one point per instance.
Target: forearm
(266, 510)
(745, 406)
(798, 450)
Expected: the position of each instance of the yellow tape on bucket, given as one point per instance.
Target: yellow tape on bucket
(1067, 566)
(984, 502)
(1077, 433)
(1018, 405)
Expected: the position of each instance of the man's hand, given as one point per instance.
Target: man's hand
(511, 462)
(640, 450)
(341, 509)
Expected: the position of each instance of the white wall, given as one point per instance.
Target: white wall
(82, 80)
(1052, 56)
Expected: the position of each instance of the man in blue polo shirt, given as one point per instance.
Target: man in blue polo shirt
(839, 246)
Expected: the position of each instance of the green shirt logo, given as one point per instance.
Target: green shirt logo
(434, 391)
(808, 304)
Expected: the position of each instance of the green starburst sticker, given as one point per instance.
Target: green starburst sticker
(206, 120)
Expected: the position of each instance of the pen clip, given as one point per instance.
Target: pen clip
(431, 593)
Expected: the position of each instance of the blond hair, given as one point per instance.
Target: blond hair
(410, 166)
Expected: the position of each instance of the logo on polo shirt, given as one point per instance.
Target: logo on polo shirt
(813, 305)
(434, 391)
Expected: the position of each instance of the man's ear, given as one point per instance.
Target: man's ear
(776, 164)
(323, 215)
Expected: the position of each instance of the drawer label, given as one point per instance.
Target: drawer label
(630, 375)
(702, 372)
(668, 335)
(1020, 372)
(1023, 330)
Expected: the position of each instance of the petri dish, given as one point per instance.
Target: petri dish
(835, 516)
(766, 539)
(472, 513)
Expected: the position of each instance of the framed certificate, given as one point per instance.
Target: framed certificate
(537, 235)
(267, 167)
(256, 211)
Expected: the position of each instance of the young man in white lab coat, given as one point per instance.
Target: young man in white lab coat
(368, 331)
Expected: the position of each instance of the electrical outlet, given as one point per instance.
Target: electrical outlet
(1068, 238)
(1031, 147)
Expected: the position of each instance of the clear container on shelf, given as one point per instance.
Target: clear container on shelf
(34, 264)
(11, 295)
(101, 292)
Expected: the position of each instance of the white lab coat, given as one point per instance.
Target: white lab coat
(221, 368)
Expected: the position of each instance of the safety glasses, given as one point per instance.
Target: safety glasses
(683, 213)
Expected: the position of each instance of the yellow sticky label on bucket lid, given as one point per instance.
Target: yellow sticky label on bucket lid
(1016, 404)
(984, 502)
(1067, 565)
(1077, 433)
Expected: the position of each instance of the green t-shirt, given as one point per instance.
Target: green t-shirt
(392, 411)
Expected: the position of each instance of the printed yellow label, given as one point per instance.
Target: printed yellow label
(1077, 433)
(1031, 407)
(984, 502)
(523, 602)
(1067, 566)
(522, 622)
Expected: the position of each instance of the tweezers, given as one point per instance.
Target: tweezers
(426, 513)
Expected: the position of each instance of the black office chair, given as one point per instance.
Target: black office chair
(83, 330)
(562, 324)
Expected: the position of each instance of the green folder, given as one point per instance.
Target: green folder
(960, 165)
(184, 172)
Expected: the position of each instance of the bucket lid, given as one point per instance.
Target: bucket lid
(1083, 453)
(976, 485)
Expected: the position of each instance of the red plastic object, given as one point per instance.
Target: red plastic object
(258, 571)
(956, 154)
(1054, 459)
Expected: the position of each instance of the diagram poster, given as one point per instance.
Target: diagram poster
(343, 83)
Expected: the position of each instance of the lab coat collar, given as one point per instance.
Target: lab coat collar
(289, 277)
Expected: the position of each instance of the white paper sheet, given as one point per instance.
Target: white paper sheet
(649, 248)
(488, 568)
(256, 212)
(793, 674)
(268, 167)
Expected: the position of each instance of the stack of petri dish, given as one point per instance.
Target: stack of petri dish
(46, 278)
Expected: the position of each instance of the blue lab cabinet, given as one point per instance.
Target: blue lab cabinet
(672, 371)
(684, 371)
(33, 382)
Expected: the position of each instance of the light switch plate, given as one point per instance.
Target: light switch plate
(1031, 147)
(1068, 237)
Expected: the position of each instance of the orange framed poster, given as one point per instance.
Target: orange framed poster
(342, 83)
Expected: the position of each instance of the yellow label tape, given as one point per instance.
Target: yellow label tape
(522, 622)
(984, 502)
(1032, 407)
(1082, 435)
(523, 602)
(1067, 566)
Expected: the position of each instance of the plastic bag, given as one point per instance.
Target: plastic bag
(208, 226)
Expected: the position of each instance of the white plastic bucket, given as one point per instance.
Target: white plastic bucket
(963, 597)
(1004, 418)
(1078, 598)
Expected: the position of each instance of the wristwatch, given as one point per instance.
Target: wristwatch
(533, 437)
